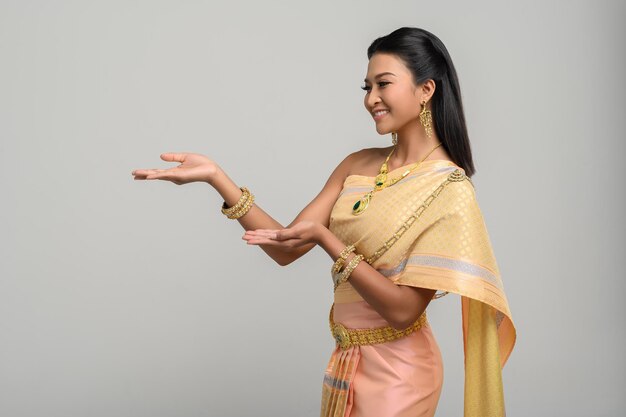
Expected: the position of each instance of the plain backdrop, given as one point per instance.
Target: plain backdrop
(134, 298)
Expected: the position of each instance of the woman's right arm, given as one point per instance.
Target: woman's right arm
(196, 167)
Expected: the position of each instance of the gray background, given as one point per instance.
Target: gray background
(128, 298)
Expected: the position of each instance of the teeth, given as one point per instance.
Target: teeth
(378, 113)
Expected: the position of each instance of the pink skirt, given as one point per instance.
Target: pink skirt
(401, 378)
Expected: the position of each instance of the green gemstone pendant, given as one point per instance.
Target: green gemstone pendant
(360, 206)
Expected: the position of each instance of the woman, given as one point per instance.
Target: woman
(400, 223)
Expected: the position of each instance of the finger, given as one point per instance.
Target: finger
(287, 244)
(266, 241)
(265, 233)
(144, 172)
(284, 234)
(252, 237)
(256, 233)
(141, 172)
(173, 157)
(278, 234)
(256, 238)
(159, 176)
(140, 176)
(262, 241)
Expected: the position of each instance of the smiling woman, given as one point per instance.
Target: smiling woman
(400, 223)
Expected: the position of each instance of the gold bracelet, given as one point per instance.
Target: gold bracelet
(342, 259)
(345, 274)
(340, 263)
(246, 207)
(245, 195)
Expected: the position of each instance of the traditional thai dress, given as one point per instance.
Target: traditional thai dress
(425, 231)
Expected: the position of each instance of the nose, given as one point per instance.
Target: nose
(371, 100)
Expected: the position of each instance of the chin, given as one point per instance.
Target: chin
(383, 130)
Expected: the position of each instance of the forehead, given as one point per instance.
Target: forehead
(380, 63)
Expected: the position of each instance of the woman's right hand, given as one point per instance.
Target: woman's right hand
(193, 168)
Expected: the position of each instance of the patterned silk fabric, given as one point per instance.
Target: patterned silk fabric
(448, 249)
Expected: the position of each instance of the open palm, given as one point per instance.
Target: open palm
(193, 167)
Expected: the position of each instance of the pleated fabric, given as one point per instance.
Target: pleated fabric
(401, 378)
(338, 390)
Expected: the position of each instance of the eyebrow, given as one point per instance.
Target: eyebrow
(380, 75)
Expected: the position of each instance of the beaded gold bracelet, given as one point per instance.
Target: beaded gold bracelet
(246, 207)
(242, 199)
(345, 274)
(342, 258)
(241, 207)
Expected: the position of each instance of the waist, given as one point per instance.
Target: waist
(347, 337)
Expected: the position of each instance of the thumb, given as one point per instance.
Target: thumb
(173, 157)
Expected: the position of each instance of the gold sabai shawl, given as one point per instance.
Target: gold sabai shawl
(428, 231)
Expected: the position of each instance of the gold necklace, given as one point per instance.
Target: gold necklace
(379, 182)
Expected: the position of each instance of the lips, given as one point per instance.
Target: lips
(379, 114)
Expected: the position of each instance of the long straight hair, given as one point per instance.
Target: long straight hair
(427, 58)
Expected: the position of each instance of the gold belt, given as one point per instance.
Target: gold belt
(352, 337)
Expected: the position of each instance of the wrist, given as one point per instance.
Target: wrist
(331, 244)
(215, 176)
(321, 235)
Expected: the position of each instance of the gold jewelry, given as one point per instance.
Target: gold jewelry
(346, 338)
(379, 182)
(342, 258)
(242, 206)
(246, 208)
(394, 138)
(242, 199)
(345, 274)
(426, 120)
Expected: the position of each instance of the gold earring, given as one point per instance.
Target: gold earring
(394, 138)
(426, 120)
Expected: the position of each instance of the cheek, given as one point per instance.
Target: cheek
(404, 105)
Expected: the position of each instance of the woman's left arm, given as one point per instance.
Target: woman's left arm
(400, 305)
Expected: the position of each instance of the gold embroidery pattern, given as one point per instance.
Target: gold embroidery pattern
(456, 176)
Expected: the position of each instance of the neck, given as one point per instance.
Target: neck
(413, 145)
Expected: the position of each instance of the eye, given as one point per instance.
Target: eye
(381, 84)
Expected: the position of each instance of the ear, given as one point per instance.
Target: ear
(427, 90)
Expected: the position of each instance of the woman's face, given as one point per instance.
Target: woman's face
(389, 86)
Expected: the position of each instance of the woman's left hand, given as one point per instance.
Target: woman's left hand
(299, 234)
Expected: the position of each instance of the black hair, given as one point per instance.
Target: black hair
(427, 58)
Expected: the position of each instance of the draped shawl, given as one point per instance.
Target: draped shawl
(446, 247)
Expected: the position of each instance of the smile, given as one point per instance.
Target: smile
(380, 114)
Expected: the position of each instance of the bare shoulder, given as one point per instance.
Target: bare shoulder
(356, 161)
(367, 161)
